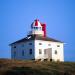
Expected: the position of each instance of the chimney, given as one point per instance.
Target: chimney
(44, 29)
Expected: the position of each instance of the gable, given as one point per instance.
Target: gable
(35, 37)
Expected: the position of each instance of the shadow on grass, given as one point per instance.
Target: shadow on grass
(31, 71)
(25, 71)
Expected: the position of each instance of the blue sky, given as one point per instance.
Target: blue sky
(16, 17)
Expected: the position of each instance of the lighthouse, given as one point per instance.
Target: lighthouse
(38, 28)
(37, 45)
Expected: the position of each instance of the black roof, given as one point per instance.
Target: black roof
(35, 37)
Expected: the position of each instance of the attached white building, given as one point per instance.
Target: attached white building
(37, 46)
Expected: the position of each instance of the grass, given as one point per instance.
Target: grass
(22, 67)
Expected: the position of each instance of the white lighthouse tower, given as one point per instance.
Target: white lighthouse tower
(37, 45)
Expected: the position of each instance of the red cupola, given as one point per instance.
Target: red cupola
(36, 23)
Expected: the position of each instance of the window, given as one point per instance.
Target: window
(30, 51)
(40, 43)
(36, 27)
(55, 51)
(40, 51)
(14, 46)
(14, 53)
(23, 53)
(44, 51)
(58, 45)
(39, 28)
(49, 44)
(30, 43)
